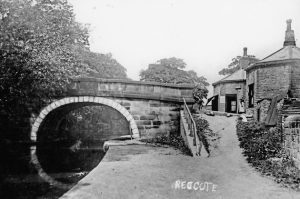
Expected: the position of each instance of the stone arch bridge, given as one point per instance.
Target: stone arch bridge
(150, 108)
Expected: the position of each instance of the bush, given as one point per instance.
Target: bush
(263, 149)
(259, 142)
(283, 169)
(206, 135)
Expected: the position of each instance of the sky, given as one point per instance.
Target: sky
(206, 34)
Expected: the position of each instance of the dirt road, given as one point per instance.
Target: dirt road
(143, 171)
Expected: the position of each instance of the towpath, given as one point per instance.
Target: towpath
(143, 171)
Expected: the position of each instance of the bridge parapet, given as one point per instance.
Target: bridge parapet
(131, 89)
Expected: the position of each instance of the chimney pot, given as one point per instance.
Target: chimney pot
(289, 34)
(289, 25)
(245, 51)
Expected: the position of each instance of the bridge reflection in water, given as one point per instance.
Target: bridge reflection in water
(62, 156)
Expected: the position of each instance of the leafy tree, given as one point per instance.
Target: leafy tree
(237, 63)
(37, 57)
(101, 65)
(199, 94)
(172, 62)
(169, 70)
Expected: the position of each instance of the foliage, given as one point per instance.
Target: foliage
(258, 142)
(101, 65)
(232, 67)
(263, 149)
(237, 63)
(37, 57)
(172, 62)
(41, 48)
(199, 93)
(174, 140)
(283, 169)
(169, 70)
(206, 135)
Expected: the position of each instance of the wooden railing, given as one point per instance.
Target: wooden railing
(192, 126)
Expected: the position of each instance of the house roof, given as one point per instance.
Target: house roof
(289, 52)
(285, 53)
(239, 75)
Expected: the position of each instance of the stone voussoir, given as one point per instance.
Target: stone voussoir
(80, 99)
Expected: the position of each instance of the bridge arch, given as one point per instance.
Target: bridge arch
(65, 101)
(83, 99)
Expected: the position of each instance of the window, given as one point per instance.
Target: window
(251, 95)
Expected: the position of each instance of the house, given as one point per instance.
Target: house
(229, 92)
(272, 79)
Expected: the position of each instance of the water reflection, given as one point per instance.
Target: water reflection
(66, 163)
(57, 167)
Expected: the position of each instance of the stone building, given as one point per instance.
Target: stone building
(272, 79)
(229, 92)
(271, 89)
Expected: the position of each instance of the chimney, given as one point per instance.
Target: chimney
(289, 35)
(245, 52)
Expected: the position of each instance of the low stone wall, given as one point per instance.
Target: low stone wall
(184, 129)
(291, 132)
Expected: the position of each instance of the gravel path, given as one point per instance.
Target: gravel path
(143, 171)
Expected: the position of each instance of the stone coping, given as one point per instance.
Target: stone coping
(109, 143)
(100, 80)
(135, 95)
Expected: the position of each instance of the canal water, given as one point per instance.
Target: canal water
(65, 163)
(67, 149)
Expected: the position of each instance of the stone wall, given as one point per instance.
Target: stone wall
(291, 132)
(269, 81)
(153, 117)
(272, 81)
(295, 79)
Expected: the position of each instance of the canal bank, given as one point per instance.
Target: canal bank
(146, 171)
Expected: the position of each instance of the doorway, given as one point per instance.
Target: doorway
(231, 103)
(214, 103)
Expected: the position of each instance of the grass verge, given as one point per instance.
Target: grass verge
(175, 141)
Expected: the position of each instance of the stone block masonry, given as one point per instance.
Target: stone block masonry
(153, 118)
(291, 133)
(150, 108)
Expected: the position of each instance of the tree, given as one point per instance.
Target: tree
(172, 62)
(237, 63)
(101, 65)
(169, 70)
(37, 57)
(199, 93)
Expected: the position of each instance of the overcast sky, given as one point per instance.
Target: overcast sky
(207, 34)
